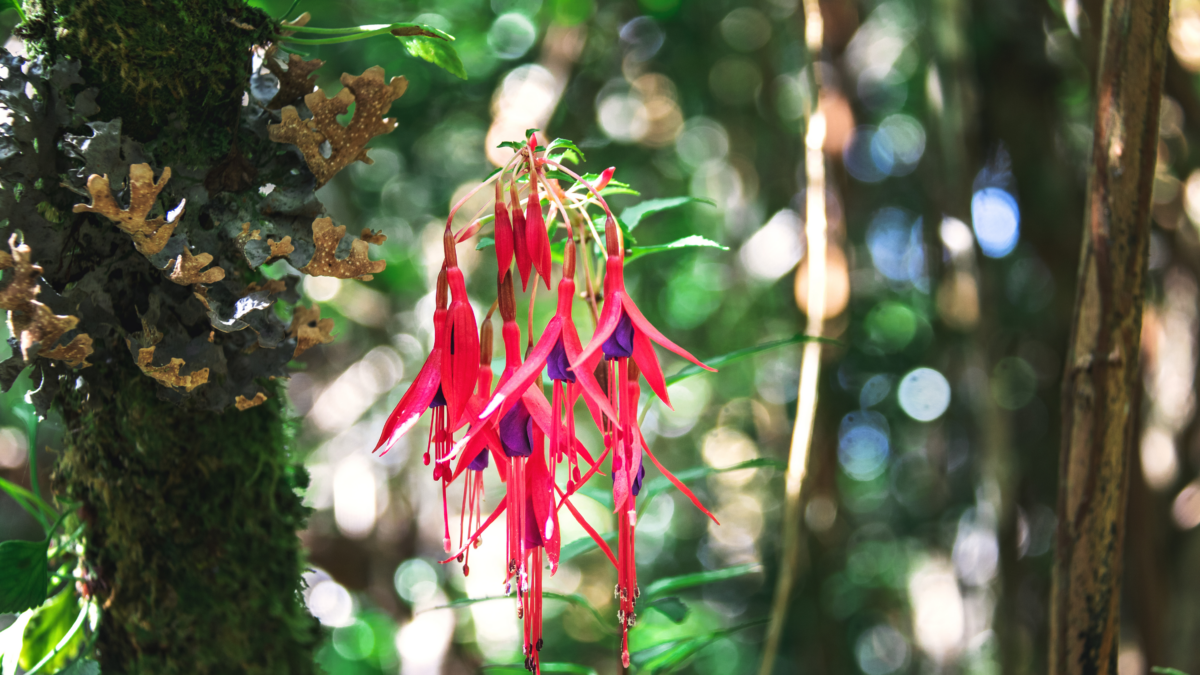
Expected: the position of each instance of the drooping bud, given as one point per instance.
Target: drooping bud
(450, 247)
(485, 342)
(503, 234)
(520, 236)
(604, 178)
(507, 298)
(612, 238)
(569, 260)
(443, 290)
(537, 237)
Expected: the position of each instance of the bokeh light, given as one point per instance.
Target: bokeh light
(997, 221)
(924, 394)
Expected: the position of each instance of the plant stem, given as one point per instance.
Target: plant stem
(1101, 383)
(810, 364)
(332, 40)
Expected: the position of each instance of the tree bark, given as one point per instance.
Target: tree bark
(1100, 385)
(192, 513)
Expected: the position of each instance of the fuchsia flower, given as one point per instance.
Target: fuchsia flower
(511, 426)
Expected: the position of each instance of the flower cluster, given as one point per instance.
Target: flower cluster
(527, 435)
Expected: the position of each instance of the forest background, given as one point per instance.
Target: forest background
(958, 140)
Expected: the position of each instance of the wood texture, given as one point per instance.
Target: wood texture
(1101, 379)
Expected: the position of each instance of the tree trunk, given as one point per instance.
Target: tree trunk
(1100, 386)
(191, 503)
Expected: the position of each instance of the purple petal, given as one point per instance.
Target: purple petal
(439, 399)
(620, 343)
(637, 482)
(480, 462)
(558, 365)
(516, 431)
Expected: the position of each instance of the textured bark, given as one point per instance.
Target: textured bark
(192, 514)
(1100, 384)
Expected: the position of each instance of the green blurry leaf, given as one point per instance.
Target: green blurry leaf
(10, 644)
(485, 242)
(54, 627)
(513, 145)
(544, 666)
(633, 215)
(13, 4)
(530, 132)
(1163, 670)
(26, 575)
(671, 607)
(414, 29)
(437, 52)
(694, 241)
(583, 545)
(26, 499)
(82, 667)
(557, 175)
(573, 598)
(564, 144)
(671, 654)
(718, 361)
(672, 584)
(653, 487)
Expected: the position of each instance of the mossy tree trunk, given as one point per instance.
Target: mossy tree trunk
(192, 513)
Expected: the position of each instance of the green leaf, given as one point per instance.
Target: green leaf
(718, 361)
(583, 545)
(26, 577)
(694, 241)
(634, 214)
(26, 499)
(437, 52)
(654, 486)
(414, 29)
(82, 667)
(13, 4)
(671, 607)
(485, 242)
(573, 598)
(544, 666)
(566, 145)
(1163, 670)
(54, 626)
(512, 145)
(672, 654)
(672, 584)
(10, 644)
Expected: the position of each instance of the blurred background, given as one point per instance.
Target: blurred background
(957, 146)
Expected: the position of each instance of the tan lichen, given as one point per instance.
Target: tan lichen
(295, 81)
(371, 97)
(149, 236)
(170, 373)
(32, 322)
(244, 403)
(187, 269)
(372, 237)
(324, 263)
(309, 329)
(272, 286)
(281, 248)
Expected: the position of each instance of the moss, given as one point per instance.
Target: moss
(193, 522)
(174, 65)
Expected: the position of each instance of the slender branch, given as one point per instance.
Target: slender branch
(1101, 381)
(810, 364)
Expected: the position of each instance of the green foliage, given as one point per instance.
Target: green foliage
(26, 577)
(668, 656)
(633, 216)
(52, 637)
(438, 52)
(693, 241)
(1163, 670)
(671, 607)
(663, 586)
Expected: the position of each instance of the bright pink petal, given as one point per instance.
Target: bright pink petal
(530, 371)
(621, 480)
(590, 388)
(541, 487)
(671, 477)
(413, 404)
(610, 316)
(460, 364)
(647, 361)
(641, 324)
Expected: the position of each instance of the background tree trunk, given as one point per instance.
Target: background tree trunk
(1101, 385)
